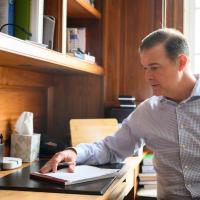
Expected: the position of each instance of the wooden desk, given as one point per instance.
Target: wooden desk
(118, 189)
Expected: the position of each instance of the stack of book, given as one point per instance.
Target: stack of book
(127, 101)
(147, 177)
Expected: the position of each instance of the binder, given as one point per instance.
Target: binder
(22, 18)
(36, 23)
(48, 30)
(7, 16)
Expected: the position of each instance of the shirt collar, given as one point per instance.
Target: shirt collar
(196, 90)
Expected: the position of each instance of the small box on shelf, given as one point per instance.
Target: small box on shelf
(76, 39)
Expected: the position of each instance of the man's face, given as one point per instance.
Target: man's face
(161, 72)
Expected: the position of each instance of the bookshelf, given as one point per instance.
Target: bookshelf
(26, 55)
(81, 9)
(49, 83)
(22, 54)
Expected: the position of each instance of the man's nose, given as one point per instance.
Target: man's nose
(149, 75)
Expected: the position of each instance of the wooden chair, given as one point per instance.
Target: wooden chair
(91, 130)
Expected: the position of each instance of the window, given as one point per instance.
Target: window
(192, 31)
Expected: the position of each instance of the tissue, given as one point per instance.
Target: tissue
(24, 124)
(24, 143)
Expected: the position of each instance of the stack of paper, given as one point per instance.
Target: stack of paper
(83, 173)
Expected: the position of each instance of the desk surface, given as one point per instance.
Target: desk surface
(131, 164)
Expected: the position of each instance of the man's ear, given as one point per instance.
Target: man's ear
(182, 61)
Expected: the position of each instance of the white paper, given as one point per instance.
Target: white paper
(24, 124)
(83, 173)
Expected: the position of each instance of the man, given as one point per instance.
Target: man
(168, 122)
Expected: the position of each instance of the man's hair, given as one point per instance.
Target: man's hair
(173, 40)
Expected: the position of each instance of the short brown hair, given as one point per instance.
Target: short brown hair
(173, 40)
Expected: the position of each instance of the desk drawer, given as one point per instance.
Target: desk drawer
(123, 188)
(119, 193)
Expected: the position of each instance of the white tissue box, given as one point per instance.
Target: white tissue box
(25, 147)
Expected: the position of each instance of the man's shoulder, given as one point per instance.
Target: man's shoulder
(152, 101)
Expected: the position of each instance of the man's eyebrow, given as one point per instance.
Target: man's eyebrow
(153, 64)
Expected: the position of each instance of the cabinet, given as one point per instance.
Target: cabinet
(36, 56)
(49, 83)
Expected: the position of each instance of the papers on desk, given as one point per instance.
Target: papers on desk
(83, 173)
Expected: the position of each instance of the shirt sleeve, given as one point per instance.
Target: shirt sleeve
(113, 148)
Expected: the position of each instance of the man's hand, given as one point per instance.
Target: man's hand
(68, 156)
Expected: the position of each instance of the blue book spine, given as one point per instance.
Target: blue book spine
(11, 17)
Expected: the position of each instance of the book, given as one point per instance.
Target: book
(49, 30)
(148, 182)
(127, 101)
(147, 176)
(127, 106)
(142, 192)
(83, 173)
(148, 159)
(7, 16)
(36, 22)
(148, 169)
(126, 98)
(150, 186)
(22, 18)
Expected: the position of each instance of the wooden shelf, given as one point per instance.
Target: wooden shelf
(23, 54)
(81, 9)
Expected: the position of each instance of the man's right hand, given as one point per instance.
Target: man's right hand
(68, 156)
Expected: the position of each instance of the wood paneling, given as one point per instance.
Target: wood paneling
(15, 100)
(53, 103)
(126, 23)
(142, 15)
(20, 91)
(81, 9)
(16, 77)
(75, 96)
(111, 48)
(174, 15)
(54, 8)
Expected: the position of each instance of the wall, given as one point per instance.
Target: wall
(22, 90)
(126, 22)
(74, 96)
(53, 98)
